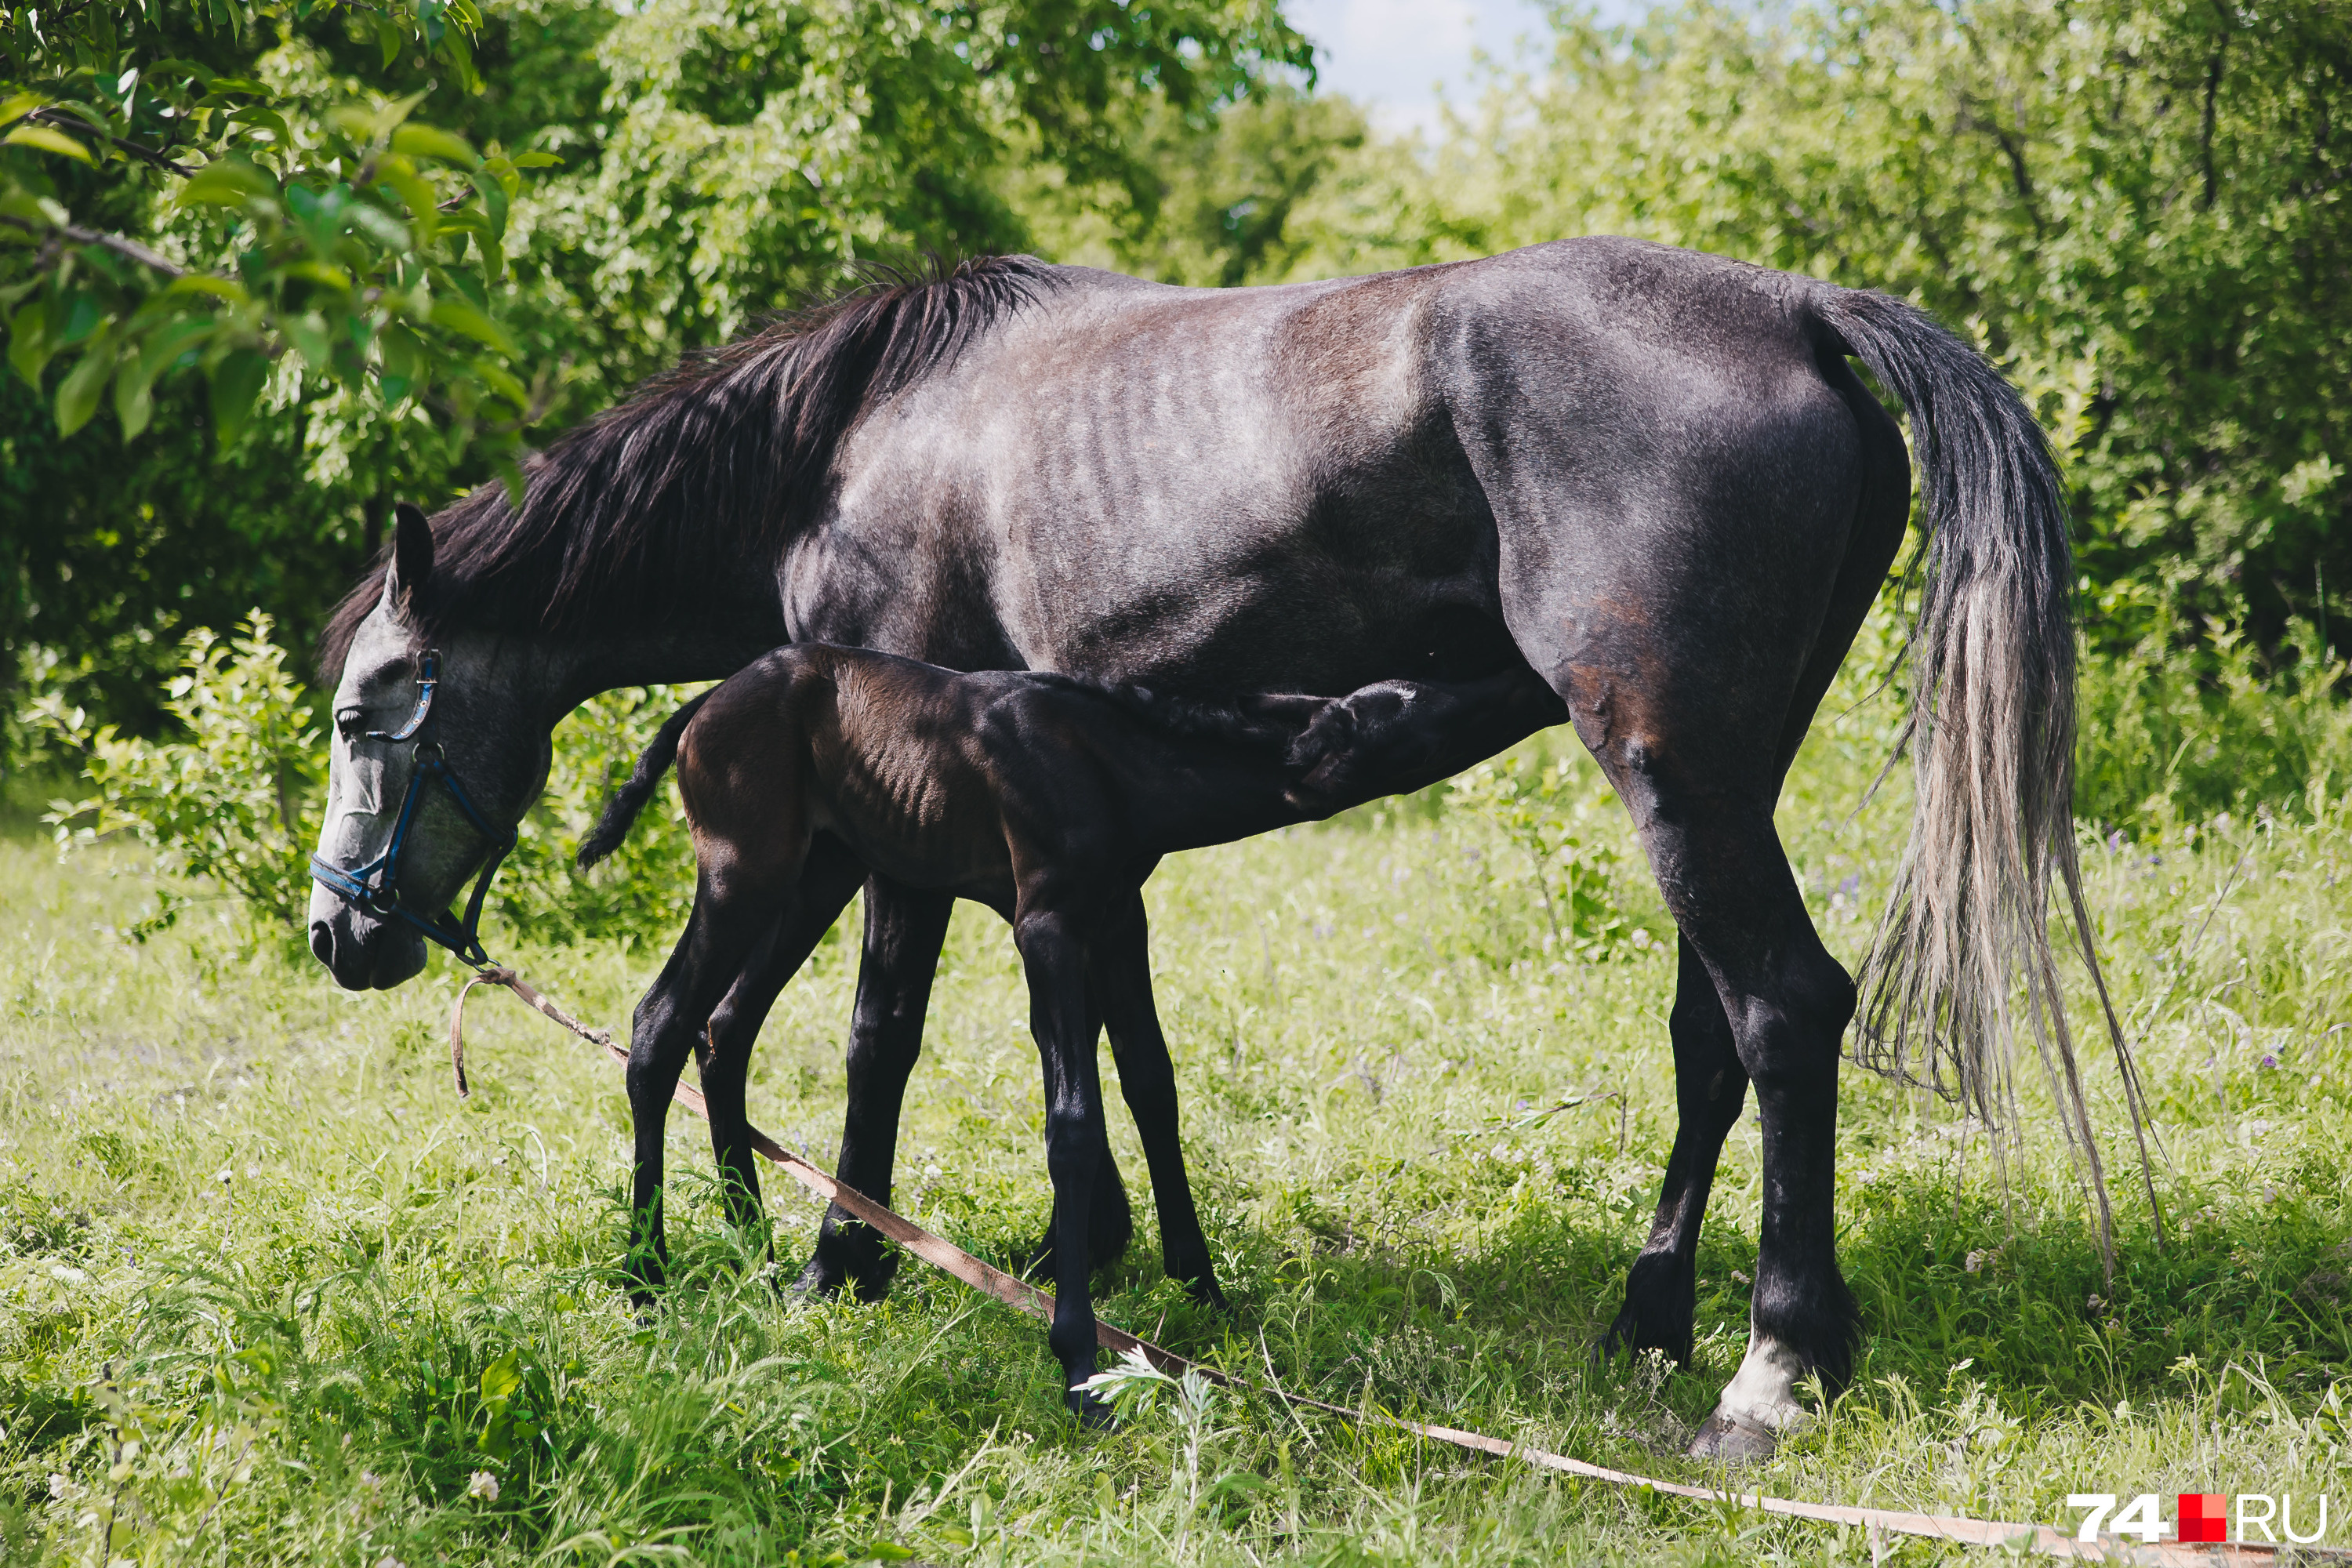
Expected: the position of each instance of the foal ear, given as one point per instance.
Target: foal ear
(411, 558)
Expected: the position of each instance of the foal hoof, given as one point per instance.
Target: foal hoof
(1734, 1440)
(1094, 1414)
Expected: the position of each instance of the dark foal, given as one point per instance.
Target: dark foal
(1049, 799)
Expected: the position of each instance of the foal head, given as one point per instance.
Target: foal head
(1396, 736)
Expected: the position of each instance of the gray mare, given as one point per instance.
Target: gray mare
(1650, 476)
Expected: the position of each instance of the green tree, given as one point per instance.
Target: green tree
(692, 165)
(2141, 209)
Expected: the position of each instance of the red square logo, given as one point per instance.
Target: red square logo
(2204, 1516)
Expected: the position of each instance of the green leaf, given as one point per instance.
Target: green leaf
(48, 140)
(168, 343)
(21, 105)
(494, 208)
(29, 345)
(321, 273)
(236, 381)
(308, 333)
(538, 161)
(227, 182)
(133, 402)
(78, 394)
(205, 283)
(460, 317)
(415, 193)
(501, 1378)
(425, 141)
(394, 114)
(388, 38)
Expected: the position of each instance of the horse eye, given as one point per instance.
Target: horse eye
(348, 722)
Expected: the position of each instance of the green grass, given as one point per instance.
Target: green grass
(268, 1291)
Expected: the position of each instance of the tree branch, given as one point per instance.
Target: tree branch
(136, 149)
(130, 249)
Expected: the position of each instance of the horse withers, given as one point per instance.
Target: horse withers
(1048, 798)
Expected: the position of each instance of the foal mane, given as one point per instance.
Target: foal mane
(691, 480)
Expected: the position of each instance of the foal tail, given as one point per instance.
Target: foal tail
(621, 811)
(1992, 725)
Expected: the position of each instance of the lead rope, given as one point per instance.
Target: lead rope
(1021, 1295)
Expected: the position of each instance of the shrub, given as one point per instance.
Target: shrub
(2173, 734)
(222, 804)
(231, 800)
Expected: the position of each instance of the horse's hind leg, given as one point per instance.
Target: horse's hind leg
(830, 876)
(905, 929)
(1710, 1085)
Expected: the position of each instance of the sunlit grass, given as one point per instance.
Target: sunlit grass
(274, 1293)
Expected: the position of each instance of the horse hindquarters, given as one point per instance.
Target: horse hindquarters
(1689, 537)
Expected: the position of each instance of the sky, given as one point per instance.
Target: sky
(1392, 54)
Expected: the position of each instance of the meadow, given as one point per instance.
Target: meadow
(270, 1292)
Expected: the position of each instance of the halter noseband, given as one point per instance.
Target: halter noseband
(375, 886)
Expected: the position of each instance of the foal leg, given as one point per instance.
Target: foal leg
(1122, 984)
(905, 929)
(720, 935)
(1054, 958)
(1110, 1224)
(831, 876)
(1710, 1085)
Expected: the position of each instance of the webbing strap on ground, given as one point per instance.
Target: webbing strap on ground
(1020, 1294)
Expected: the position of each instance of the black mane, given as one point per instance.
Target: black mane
(692, 478)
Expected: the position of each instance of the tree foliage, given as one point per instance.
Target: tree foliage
(2144, 210)
(352, 254)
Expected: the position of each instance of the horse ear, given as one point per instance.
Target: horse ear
(411, 558)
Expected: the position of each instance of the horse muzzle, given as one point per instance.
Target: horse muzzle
(362, 952)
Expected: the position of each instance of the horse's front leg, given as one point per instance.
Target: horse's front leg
(1710, 1085)
(831, 877)
(905, 928)
(1054, 957)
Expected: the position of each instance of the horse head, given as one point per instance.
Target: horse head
(440, 744)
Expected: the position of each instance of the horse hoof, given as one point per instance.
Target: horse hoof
(817, 1282)
(1094, 1414)
(1204, 1293)
(1733, 1441)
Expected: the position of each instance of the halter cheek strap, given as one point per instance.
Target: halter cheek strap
(375, 886)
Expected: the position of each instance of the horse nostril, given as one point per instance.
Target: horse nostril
(322, 943)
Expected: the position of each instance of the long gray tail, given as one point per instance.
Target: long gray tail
(621, 811)
(1993, 728)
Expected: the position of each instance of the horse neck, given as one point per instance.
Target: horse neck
(583, 667)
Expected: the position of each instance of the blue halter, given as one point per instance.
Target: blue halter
(375, 886)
